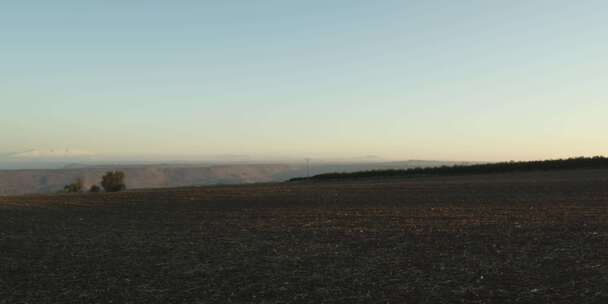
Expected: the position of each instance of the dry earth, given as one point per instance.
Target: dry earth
(514, 238)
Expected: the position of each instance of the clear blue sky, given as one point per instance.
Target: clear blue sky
(467, 80)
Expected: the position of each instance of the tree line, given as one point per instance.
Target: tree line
(597, 162)
(112, 181)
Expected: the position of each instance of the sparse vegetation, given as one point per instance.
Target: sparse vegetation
(114, 181)
(597, 162)
(95, 189)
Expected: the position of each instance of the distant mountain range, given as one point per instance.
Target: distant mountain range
(24, 181)
(45, 158)
(52, 154)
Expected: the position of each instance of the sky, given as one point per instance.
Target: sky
(444, 80)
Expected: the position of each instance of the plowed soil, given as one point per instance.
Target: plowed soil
(510, 238)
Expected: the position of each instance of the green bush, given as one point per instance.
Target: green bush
(74, 187)
(113, 181)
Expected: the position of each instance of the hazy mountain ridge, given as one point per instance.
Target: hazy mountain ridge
(52, 154)
(17, 182)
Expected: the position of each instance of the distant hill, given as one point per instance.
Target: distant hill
(16, 182)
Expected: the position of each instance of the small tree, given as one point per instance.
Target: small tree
(95, 189)
(113, 181)
(74, 187)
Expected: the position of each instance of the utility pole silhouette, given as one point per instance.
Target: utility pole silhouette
(308, 167)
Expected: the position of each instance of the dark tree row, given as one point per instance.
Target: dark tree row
(597, 162)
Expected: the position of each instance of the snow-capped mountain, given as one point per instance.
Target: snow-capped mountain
(52, 154)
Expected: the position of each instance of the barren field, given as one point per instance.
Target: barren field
(516, 238)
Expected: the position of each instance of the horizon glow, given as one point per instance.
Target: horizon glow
(441, 80)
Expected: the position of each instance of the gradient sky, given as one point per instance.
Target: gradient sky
(465, 80)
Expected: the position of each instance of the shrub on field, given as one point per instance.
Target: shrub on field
(74, 187)
(113, 181)
(95, 189)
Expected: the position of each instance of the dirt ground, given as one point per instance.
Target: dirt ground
(509, 238)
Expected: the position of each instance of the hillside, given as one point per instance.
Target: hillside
(597, 162)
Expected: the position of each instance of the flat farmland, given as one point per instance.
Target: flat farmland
(504, 238)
